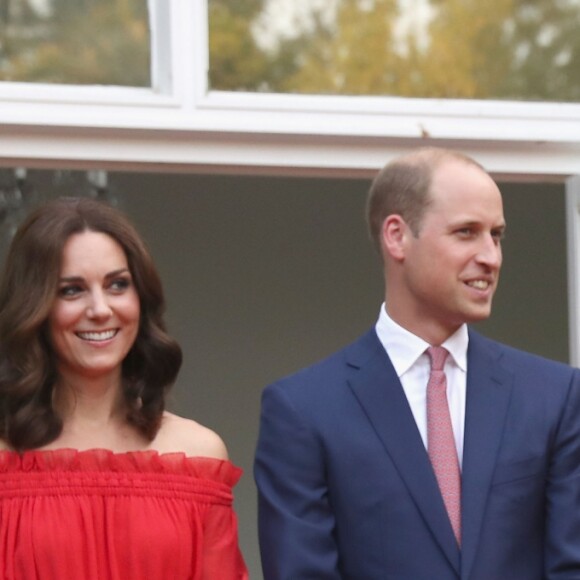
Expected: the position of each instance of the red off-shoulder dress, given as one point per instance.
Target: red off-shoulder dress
(99, 515)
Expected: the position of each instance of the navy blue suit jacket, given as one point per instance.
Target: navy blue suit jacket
(346, 489)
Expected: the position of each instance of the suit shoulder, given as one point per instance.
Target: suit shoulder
(327, 372)
(519, 358)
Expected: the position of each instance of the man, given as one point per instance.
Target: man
(349, 460)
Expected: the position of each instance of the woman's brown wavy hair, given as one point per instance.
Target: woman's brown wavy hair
(27, 292)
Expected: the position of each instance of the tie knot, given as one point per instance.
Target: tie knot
(438, 356)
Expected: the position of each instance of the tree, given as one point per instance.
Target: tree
(505, 49)
(352, 56)
(78, 42)
(236, 61)
(546, 51)
(467, 55)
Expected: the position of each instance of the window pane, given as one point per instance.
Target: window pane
(525, 50)
(77, 42)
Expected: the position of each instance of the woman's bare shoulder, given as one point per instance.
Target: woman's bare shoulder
(4, 446)
(178, 434)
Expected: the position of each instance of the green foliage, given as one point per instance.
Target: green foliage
(546, 36)
(501, 49)
(467, 55)
(236, 61)
(77, 42)
(349, 59)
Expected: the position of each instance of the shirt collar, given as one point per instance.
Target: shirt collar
(404, 348)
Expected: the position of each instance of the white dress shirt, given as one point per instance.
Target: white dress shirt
(411, 362)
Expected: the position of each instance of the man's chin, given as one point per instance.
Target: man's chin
(478, 315)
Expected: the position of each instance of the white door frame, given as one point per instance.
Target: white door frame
(573, 235)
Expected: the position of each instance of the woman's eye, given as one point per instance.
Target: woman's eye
(69, 291)
(120, 284)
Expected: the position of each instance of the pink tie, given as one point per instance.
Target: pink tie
(440, 440)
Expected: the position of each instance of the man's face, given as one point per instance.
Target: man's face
(451, 269)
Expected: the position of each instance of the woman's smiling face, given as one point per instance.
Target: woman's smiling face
(94, 320)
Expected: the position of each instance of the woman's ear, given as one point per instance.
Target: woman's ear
(393, 237)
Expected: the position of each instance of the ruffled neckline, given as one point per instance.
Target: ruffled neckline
(100, 460)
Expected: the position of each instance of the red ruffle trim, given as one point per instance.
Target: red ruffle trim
(99, 460)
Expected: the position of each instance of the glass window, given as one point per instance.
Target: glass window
(521, 50)
(75, 42)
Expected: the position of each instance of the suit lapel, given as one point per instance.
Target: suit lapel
(487, 401)
(379, 392)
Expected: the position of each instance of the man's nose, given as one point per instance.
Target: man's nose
(490, 251)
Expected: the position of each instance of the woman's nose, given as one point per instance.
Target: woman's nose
(98, 306)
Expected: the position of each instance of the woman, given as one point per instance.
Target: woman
(97, 480)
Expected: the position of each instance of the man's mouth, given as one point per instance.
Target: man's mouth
(479, 284)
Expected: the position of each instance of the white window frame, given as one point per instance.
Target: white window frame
(573, 234)
(179, 124)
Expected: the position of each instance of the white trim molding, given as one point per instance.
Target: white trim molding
(180, 125)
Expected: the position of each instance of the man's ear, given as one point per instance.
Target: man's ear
(393, 237)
